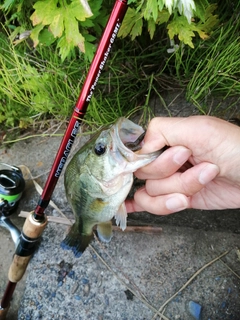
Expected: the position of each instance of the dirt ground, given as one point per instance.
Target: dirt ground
(195, 258)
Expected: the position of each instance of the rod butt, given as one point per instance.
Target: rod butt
(3, 312)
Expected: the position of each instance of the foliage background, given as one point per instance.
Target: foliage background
(47, 47)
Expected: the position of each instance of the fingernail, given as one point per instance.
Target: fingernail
(176, 203)
(181, 156)
(208, 173)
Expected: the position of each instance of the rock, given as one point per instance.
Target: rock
(195, 310)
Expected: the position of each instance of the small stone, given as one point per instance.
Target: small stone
(97, 302)
(129, 294)
(195, 310)
(59, 296)
(86, 289)
(85, 281)
(47, 293)
(106, 300)
(74, 288)
(99, 282)
(55, 213)
(71, 274)
(77, 297)
(32, 303)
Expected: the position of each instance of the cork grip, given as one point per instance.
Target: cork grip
(17, 268)
(3, 313)
(32, 229)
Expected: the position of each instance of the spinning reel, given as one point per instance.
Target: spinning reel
(12, 185)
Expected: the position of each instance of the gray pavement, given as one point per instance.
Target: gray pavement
(134, 275)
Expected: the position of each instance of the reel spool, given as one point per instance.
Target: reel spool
(12, 185)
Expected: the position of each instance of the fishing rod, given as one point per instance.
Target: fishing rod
(36, 221)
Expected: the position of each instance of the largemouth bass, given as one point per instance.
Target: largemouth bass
(98, 179)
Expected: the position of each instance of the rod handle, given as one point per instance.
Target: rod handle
(18, 268)
(3, 312)
(32, 230)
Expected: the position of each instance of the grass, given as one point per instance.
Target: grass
(218, 69)
(211, 71)
(33, 88)
(36, 87)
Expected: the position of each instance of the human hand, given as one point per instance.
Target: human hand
(200, 170)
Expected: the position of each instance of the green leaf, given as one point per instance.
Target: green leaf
(160, 5)
(127, 23)
(2, 118)
(56, 26)
(163, 16)
(181, 28)
(211, 20)
(44, 12)
(151, 27)
(64, 47)
(99, 18)
(201, 6)
(89, 50)
(72, 33)
(46, 37)
(132, 24)
(35, 34)
(63, 22)
(7, 4)
(203, 35)
(76, 9)
(151, 10)
(137, 29)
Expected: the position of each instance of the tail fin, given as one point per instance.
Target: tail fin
(76, 241)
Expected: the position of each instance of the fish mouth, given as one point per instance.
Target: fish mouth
(128, 138)
(137, 144)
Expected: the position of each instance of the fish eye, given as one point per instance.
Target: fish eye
(100, 148)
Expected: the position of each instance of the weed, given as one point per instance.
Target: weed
(33, 88)
(217, 71)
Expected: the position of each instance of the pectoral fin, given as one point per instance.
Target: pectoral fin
(104, 231)
(121, 216)
(76, 241)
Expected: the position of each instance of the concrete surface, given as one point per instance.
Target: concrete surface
(136, 273)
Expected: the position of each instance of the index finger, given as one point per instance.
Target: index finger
(180, 131)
